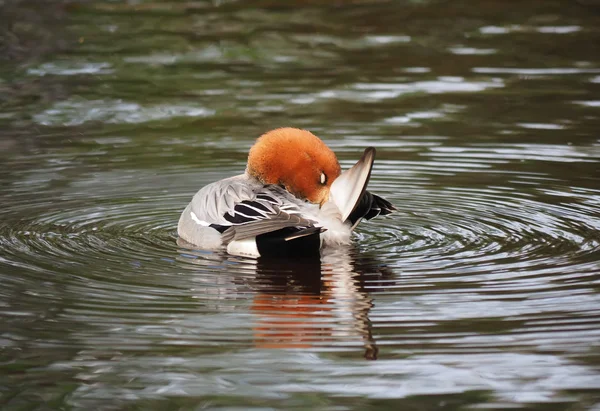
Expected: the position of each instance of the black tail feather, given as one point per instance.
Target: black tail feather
(370, 206)
(290, 242)
(385, 206)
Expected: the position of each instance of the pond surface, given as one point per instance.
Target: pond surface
(482, 291)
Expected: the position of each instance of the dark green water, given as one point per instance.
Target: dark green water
(482, 291)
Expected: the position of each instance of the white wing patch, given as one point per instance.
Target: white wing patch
(197, 220)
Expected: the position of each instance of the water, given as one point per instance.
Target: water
(482, 291)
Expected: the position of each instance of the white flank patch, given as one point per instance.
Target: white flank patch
(246, 248)
(197, 220)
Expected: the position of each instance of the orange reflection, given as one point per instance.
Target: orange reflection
(307, 304)
(291, 320)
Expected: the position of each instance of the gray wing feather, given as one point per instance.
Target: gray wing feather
(215, 200)
(247, 208)
(272, 222)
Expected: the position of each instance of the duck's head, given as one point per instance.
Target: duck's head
(297, 160)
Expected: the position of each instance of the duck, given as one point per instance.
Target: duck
(293, 199)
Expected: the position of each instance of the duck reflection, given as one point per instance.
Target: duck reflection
(301, 303)
(322, 301)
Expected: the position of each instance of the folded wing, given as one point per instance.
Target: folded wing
(242, 211)
(248, 226)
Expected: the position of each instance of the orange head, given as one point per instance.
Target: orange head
(297, 160)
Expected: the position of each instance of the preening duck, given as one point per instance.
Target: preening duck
(292, 199)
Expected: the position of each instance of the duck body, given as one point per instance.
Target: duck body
(292, 200)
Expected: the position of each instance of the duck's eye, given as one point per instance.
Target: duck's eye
(323, 178)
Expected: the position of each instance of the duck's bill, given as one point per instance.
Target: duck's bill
(348, 188)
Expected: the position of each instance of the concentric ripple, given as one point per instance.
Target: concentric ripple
(463, 227)
(458, 270)
(485, 256)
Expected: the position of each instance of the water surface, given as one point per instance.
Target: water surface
(483, 290)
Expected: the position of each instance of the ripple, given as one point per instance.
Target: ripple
(589, 103)
(494, 228)
(542, 126)
(502, 269)
(485, 235)
(70, 69)
(471, 51)
(516, 28)
(493, 241)
(535, 71)
(380, 91)
(77, 111)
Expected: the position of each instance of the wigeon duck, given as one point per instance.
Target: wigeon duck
(292, 199)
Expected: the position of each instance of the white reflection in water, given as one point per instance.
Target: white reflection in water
(542, 126)
(68, 68)
(512, 377)
(534, 71)
(517, 28)
(77, 111)
(590, 103)
(559, 29)
(499, 29)
(462, 50)
(543, 152)
(209, 53)
(381, 91)
(384, 40)
(350, 43)
(416, 70)
(412, 118)
(420, 115)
